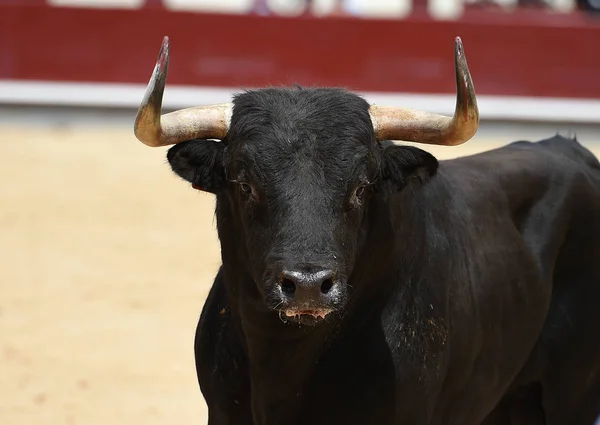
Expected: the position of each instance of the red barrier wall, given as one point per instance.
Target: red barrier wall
(529, 53)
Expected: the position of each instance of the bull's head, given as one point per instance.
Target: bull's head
(295, 173)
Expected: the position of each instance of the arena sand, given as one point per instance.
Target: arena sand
(106, 258)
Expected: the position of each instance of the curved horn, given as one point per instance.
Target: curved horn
(200, 122)
(393, 123)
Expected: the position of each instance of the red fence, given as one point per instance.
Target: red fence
(523, 53)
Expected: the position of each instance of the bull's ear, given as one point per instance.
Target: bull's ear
(403, 163)
(200, 162)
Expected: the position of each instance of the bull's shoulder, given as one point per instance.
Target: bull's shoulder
(547, 189)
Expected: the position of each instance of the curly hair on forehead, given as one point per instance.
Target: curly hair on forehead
(297, 112)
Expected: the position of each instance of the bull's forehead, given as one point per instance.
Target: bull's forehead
(309, 126)
(296, 114)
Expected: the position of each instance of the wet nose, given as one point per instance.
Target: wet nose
(307, 286)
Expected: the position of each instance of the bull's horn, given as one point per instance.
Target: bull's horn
(393, 123)
(201, 122)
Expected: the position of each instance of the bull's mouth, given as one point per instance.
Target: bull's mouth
(305, 317)
(317, 314)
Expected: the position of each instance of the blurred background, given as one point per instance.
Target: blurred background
(106, 256)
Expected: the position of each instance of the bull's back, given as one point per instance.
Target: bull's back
(571, 149)
(553, 190)
(554, 196)
(569, 349)
(550, 189)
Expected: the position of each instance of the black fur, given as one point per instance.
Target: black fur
(200, 163)
(464, 286)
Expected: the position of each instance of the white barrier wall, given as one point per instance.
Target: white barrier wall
(442, 9)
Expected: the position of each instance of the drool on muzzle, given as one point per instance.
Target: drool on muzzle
(389, 122)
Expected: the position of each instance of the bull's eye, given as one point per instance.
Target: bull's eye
(360, 191)
(357, 196)
(245, 188)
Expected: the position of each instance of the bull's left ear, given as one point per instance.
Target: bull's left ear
(200, 162)
(401, 164)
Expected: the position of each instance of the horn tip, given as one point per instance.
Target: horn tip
(458, 47)
(163, 54)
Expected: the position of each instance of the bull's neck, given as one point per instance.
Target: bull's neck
(280, 372)
(281, 356)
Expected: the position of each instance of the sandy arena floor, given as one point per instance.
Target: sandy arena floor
(105, 260)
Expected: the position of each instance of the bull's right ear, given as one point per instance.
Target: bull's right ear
(200, 162)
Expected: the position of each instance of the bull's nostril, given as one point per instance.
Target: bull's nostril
(288, 287)
(326, 286)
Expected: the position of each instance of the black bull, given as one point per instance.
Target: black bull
(366, 283)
